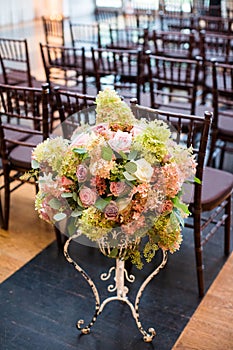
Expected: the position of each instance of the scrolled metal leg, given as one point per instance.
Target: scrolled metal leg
(150, 334)
(80, 323)
(119, 287)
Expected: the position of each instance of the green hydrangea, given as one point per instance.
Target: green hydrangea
(51, 151)
(110, 108)
(152, 141)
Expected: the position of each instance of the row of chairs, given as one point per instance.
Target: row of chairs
(24, 122)
(99, 35)
(155, 80)
(169, 18)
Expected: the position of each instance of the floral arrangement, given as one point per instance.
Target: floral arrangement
(119, 182)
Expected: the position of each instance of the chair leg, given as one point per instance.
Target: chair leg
(2, 224)
(199, 258)
(222, 154)
(6, 202)
(227, 227)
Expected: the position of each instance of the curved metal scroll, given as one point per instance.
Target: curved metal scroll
(84, 329)
(122, 290)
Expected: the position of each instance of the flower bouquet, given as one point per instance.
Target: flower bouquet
(118, 182)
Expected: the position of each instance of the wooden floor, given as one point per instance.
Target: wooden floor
(211, 326)
(27, 234)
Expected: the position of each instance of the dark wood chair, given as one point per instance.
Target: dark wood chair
(176, 21)
(222, 126)
(66, 67)
(85, 34)
(54, 29)
(210, 200)
(106, 15)
(214, 24)
(23, 124)
(128, 38)
(174, 84)
(73, 109)
(173, 44)
(15, 63)
(122, 70)
(140, 18)
(206, 10)
(213, 46)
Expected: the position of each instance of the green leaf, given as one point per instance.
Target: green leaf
(59, 216)
(35, 164)
(128, 176)
(67, 195)
(180, 205)
(102, 203)
(80, 150)
(76, 213)
(198, 181)
(132, 155)
(75, 196)
(55, 203)
(106, 153)
(123, 155)
(175, 215)
(131, 167)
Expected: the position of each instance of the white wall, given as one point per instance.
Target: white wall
(18, 11)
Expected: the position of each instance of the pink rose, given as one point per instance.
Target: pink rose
(121, 141)
(118, 188)
(81, 139)
(87, 196)
(111, 211)
(81, 172)
(103, 130)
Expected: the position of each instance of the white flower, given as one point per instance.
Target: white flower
(121, 141)
(144, 170)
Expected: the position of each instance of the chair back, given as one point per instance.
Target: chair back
(222, 126)
(106, 15)
(24, 123)
(73, 110)
(128, 38)
(214, 24)
(176, 21)
(85, 35)
(173, 82)
(64, 66)
(121, 70)
(216, 45)
(186, 130)
(24, 120)
(173, 44)
(15, 63)
(54, 32)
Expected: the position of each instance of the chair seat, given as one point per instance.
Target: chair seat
(216, 187)
(225, 124)
(15, 135)
(15, 77)
(20, 156)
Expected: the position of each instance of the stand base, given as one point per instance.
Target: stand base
(121, 291)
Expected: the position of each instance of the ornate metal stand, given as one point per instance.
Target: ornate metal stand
(121, 290)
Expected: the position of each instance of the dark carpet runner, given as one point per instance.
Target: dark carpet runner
(41, 303)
